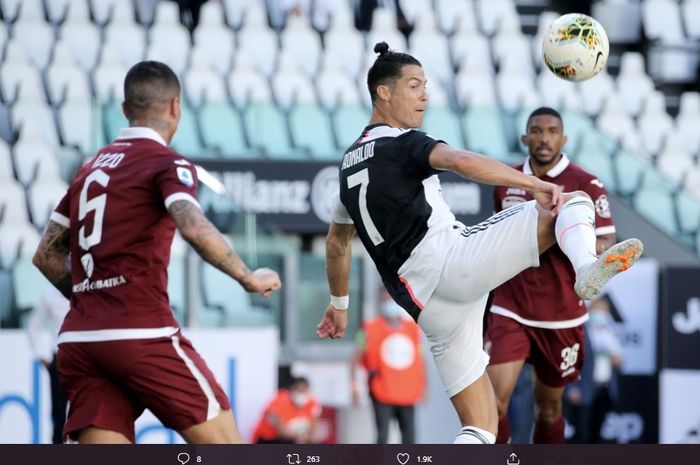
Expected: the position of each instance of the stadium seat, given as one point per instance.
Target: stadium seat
(40, 115)
(29, 283)
(656, 205)
(345, 46)
(622, 20)
(83, 38)
(201, 82)
(146, 11)
(451, 13)
(267, 130)
(594, 92)
(246, 84)
(484, 132)
(222, 292)
(186, 140)
(109, 11)
(237, 12)
(64, 78)
(311, 130)
(16, 70)
(108, 78)
(692, 181)
(302, 43)
(544, 21)
(16, 240)
(633, 83)
(515, 90)
(556, 92)
(417, 10)
(491, 14)
(662, 21)
(441, 122)
(6, 170)
(335, 86)
(688, 121)
(43, 196)
(256, 37)
(690, 13)
(511, 44)
(222, 130)
(77, 121)
(169, 40)
(28, 154)
(289, 83)
(384, 30)
(654, 123)
(431, 49)
(60, 10)
(470, 50)
(3, 38)
(113, 119)
(474, 88)
(348, 123)
(213, 38)
(592, 156)
(688, 212)
(616, 122)
(578, 126)
(674, 161)
(127, 39)
(36, 37)
(13, 203)
(630, 170)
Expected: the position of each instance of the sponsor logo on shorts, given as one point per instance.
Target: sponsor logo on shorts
(88, 285)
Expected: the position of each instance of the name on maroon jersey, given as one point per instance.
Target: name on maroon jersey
(88, 285)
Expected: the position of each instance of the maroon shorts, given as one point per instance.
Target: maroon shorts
(556, 354)
(109, 384)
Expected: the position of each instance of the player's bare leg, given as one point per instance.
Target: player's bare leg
(95, 435)
(549, 422)
(504, 377)
(476, 408)
(219, 430)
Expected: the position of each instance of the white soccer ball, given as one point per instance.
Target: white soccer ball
(575, 47)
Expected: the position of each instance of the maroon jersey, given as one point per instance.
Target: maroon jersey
(120, 237)
(544, 296)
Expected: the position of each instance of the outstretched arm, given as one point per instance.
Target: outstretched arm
(51, 257)
(338, 255)
(203, 236)
(489, 171)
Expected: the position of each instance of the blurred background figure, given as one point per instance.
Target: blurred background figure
(291, 416)
(49, 313)
(388, 347)
(596, 393)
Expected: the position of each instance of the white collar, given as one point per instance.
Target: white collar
(141, 132)
(555, 171)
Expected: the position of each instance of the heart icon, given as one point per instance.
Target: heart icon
(402, 458)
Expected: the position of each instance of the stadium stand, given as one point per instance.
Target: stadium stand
(264, 85)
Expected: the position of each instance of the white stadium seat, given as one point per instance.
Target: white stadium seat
(654, 123)
(688, 121)
(633, 83)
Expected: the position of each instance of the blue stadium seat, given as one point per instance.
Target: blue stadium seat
(113, 119)
(222, 130)
(311, 129)
(484, 132)
(629, 171)
(267, 130)
(688, 211)
(593, 157)
(348, 123)
(442, 123)
(28, 282)
(656, 204)
(186, 140)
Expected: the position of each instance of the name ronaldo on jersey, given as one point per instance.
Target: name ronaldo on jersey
(358, 155)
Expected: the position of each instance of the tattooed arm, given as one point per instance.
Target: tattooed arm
(51, 257)
(201, 234)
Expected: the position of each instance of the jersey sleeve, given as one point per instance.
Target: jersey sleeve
(603, 218)
(61, 213)
(340, 213)
(176, 179)
(418, 145)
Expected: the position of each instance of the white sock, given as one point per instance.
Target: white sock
(474, 435)
(575, 231)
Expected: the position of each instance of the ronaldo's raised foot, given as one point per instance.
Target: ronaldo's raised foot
(618, 258)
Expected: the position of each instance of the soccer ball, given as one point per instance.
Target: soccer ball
(575, 47)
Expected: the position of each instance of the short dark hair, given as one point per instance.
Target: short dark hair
(298, 381)
(387, 67)
(147, 85)
(543, 111)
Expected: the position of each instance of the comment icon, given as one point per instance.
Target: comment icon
(183, 458)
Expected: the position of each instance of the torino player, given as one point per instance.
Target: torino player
(537, 316)
(437, 269)
(120, 348)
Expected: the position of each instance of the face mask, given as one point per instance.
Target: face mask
(391, 309)
(299, 398)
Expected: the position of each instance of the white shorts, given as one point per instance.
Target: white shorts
(484, 257)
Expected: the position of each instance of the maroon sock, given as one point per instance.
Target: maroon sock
(549, 433)
(503, 436)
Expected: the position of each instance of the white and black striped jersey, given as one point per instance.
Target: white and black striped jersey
(392, 195)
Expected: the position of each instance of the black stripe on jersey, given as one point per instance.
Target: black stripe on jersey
(497, 218)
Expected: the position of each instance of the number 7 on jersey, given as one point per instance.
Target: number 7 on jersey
(361, 178)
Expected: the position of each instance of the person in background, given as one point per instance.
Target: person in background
(291, 416)
(50, 311)
(389, 348)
